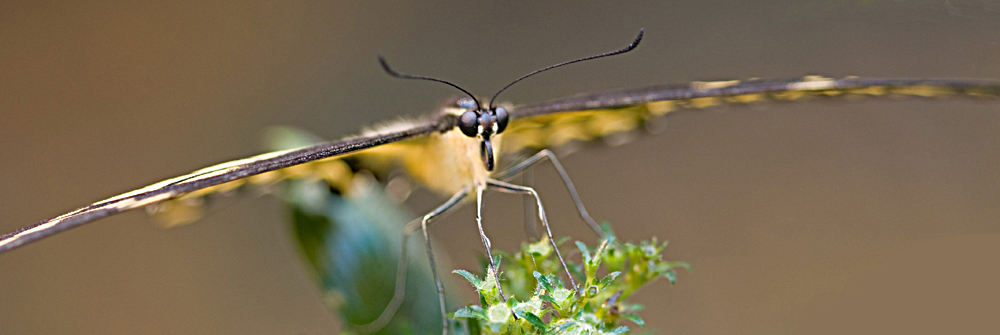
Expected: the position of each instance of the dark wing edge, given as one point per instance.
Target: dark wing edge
(207, 177)
(758, 90)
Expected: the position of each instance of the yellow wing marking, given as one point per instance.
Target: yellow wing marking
(335, 171)
(440, 161)
(190, 207)
(432, 161)
(709, 85)
(664, 107)
(740, 99)
(925, 91)
(557, 129)
(554, 130)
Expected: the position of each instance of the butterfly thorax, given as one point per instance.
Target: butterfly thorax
(443, 162)
(450, 161)
(462, 154)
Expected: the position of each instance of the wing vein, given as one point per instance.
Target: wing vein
(809, 84)
(210, 176)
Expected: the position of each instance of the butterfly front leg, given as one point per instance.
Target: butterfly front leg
(486, 241)
(511, 188)
(546, 153)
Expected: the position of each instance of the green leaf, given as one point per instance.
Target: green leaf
(584, 251)
(471, 312)
(548, 298)
(533, 319)
(561, 294)
(346, 242)
(603, 247)
(474, 327)
(542, 280)
(678, 264)
(561, 327)
(608, 279)
(615, 258)
(562, 240)
(511, 302)
(475, 281)
(635, 318)
(606, 228)
(619, 330)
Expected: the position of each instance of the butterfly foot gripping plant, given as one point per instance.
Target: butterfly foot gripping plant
(542, 304)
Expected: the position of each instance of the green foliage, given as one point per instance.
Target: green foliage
(351, 245)
(543, 304)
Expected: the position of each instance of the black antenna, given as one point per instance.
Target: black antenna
(391, 72)
(626, 49)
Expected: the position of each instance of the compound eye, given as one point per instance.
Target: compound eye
(502, 118)
(468, 123)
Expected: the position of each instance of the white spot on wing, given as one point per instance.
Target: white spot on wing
(812, 85)
(710, 85)
(389, 127)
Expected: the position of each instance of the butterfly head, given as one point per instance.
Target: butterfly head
(483, 124)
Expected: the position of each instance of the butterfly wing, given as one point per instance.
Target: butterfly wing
(210, 177)
(547, 124)
(591, 116)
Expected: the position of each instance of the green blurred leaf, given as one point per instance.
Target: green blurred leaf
(608, 279)
(606, 228)
(619, 330)
(671, 276)
(533, 319)
(635, 318)
(351, 247)
(351, 244)
(678, 264)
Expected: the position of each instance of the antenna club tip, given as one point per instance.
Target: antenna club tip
(638, 38)
(385, 66)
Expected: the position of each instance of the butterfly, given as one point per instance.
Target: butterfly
(456, 152)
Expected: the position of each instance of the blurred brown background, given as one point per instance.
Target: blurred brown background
(846, 217)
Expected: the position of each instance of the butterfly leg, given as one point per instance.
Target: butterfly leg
(486, 241)
(451, 203)
(400, 291)
(546, 153)
(402, 264)
(511, 188)
(530, 227)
